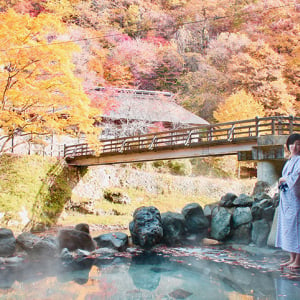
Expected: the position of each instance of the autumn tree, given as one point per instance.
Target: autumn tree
(239, 106)
(65, 9)
(89, 61)
(39, 93)
(224, 47)
(170, 66)
(32, 7)
(133, 62)
(279, 27)
(259, 70)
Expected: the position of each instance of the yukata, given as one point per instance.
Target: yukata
(288, 225)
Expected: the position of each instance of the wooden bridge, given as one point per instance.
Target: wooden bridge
(254, 139)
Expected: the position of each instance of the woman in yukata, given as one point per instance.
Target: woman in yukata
(288, 226)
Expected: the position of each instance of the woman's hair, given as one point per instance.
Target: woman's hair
(291, 139)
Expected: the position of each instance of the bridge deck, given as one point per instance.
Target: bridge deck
(209, 140)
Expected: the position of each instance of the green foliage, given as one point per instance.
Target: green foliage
(30, 183)
(52, 199)
(20, 183)
(180, 167)
(159, 164)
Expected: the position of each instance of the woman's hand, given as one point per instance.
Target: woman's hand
(281, 180)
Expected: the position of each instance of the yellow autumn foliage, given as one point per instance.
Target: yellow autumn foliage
(238, 106)
(39, 93)
(63, 8)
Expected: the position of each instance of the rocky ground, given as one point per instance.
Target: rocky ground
(98, 178)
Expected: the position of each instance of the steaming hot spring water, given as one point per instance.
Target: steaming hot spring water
(207, 272)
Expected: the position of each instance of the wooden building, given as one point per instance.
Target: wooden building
(139, 111)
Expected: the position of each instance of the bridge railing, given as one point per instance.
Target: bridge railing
(229, 132)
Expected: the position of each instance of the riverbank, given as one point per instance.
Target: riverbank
(44, 191)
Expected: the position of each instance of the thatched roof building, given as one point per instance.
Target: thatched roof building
(148, 106)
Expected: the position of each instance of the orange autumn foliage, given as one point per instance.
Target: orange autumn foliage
(39, 93)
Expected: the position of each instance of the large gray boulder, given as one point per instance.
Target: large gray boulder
(173, 228)
(263, 209)
(83, 227)
(261, 196)
(7, 242)
(116, 240)
(260, 232)
(146, 228)
(243, 200)
(241, 234)
(227, 200)
(73, 239)
(209, 208)
(220, 224)
(241, 215)
(27, 240)
(37, 246)
(195, 220)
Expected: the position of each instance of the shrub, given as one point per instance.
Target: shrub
(180, 167)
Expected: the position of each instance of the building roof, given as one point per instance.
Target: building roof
(151, 106)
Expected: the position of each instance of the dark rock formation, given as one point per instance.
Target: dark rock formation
(34, 245)
(241, 234)
(27, 240)
(173, 228)
(195, 221)
(45, 247)
(117, 240)
(261, 196)
(208, 210)
(83, 227)
(73, 239)
(241, 215)
(146, 228)
(227, 200)
(220, 224)
(263, 209)
(234, 218)
(243, 200)
(7, 242)
(260, 232)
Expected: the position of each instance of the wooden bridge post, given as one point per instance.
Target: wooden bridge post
(291, 124)
(273, 127)
(256, 126)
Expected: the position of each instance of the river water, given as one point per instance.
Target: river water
(165, 273)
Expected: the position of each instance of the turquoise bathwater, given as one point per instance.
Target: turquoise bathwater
(166, 273)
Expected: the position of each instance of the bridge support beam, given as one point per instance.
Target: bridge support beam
(269, 171)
